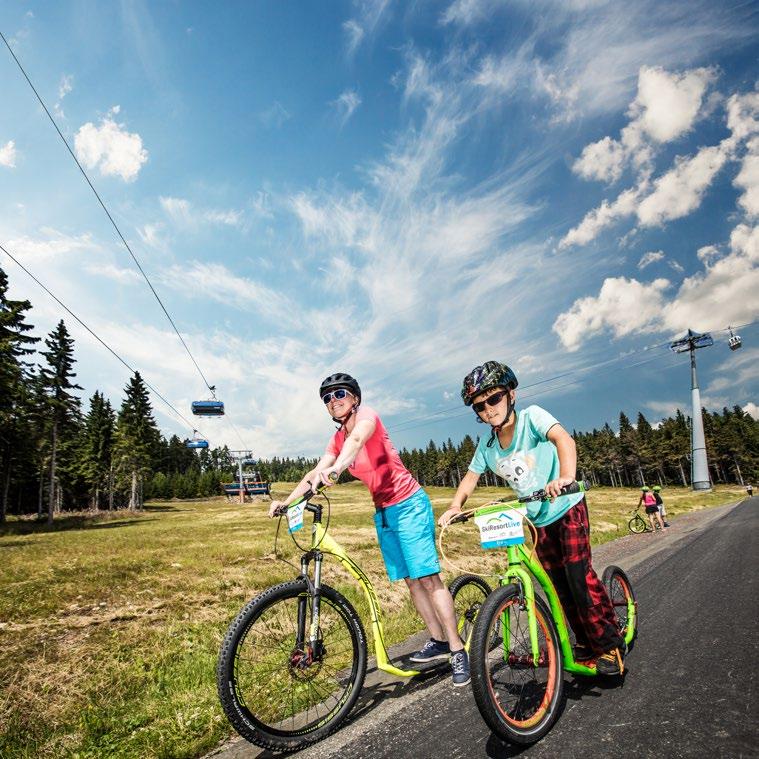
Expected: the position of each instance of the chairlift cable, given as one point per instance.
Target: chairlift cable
(96, 336)
(107, 213)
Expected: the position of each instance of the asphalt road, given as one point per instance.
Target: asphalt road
(690, 687)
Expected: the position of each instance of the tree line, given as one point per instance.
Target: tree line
(56, 455)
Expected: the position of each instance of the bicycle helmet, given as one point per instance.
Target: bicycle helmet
(656, 488)
(340, 379)
(645, 488)
(491, 374)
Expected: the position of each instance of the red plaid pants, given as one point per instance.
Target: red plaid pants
(564, 551)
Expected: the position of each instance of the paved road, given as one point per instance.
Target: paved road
(689, 690)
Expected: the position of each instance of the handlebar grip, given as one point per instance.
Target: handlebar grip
(579, 486)
(334, 477)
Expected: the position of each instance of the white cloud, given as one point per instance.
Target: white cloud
(724, 291)
(707, 253)
(665, 108)
(110, 148)
(51, 244)
(185, 215)
(354, 33)
(600, 218)
(650, 258)
(668, 104)
(8, 155)
(345, 105)
(680, 191)
(66, 85)
(275, 115)
(213, 281)
(675, 266)
(748, 180)
(623, 305)
(752, 410)
(116, 273)
(603, 160)
(177, 208)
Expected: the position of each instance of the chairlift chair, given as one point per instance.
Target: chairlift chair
(197, 442)
(734, 341)
(208, 408)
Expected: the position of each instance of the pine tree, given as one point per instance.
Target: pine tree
(97, 447)
(137, 440)
(15, 344)
(62, 406)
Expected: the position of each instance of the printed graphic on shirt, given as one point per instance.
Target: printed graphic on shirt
(519, 471)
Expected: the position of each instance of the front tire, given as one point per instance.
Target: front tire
(518, 701)
(469, 593)
(279, 693)
(637, 524)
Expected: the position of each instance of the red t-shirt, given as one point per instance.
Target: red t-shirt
(377, 464)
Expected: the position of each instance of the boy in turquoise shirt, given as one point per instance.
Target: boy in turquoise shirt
(531, 450)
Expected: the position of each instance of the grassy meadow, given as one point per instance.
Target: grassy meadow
(110, 624)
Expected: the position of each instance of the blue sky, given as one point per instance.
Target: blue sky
(396, 190)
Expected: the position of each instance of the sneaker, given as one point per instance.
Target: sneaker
(582, 653)
(611, 663)
(460, 667)
(431, 651)
(666, 524)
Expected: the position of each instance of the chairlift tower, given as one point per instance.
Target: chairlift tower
(241, 457)
(699, 466)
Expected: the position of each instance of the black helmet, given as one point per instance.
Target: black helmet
(340, 379)
(481, 378)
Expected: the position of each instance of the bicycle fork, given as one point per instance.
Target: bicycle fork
(307, 643)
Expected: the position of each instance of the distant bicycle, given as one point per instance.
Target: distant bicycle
(637, 524)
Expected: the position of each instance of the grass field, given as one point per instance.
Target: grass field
(110, 624)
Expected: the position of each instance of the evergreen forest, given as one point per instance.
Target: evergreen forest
(58, 453)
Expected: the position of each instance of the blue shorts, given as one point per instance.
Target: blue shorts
(407, 538)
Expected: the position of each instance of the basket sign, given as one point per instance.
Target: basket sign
(500, 527)
(295, 517)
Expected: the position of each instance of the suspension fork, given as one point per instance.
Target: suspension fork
(517, 574)
(307, 630)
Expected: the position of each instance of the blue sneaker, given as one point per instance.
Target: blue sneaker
(460, 667)
(432, 650)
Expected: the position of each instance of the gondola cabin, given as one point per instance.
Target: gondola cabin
(196, 444)
(734, 341)
(208, 408)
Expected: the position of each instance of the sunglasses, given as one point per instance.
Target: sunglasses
(493, 400)
(338, 395)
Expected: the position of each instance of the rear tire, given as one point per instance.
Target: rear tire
(621, 593)
(282, 696)
(469, 593)
(518, 701)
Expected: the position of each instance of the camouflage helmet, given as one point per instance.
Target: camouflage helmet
(491, 374)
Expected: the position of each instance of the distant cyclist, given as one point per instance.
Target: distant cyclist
(652, 510)
(403, 516)
(656, 490)
(749, 490)
(531, 450)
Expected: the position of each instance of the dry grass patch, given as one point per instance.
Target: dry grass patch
(110, 624)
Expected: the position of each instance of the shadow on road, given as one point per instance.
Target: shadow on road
(374, 694)
(574, 690)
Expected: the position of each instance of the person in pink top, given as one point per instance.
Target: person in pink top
(403, 515)
(648, 499)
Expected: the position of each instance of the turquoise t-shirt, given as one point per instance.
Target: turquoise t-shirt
(528, 464)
